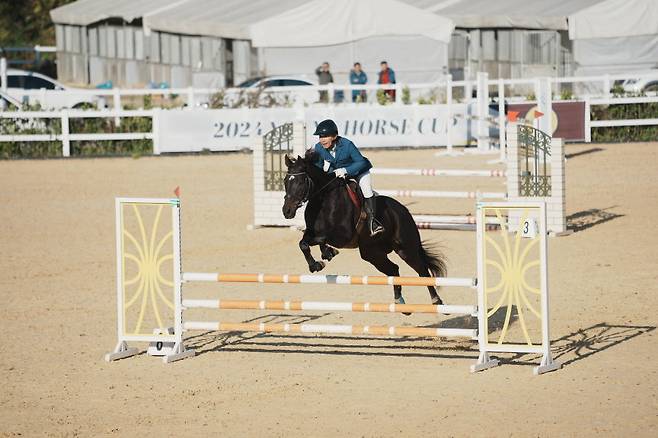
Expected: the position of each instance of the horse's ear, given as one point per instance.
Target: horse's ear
(310, 154)
(288, 161)
(299, 158)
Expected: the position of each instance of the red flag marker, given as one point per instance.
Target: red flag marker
(177, 191)
(512, 116)
(538, 114)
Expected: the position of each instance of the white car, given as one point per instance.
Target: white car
(55, 95)
(269, 85)
(642, 85)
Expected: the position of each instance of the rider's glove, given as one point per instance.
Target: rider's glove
(341, 173)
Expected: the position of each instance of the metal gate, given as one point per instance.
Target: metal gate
(276, 144)
(534, 153)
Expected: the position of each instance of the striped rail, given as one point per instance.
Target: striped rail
(373, 280)
(438, 172)
(462, 223)
(378, 330)
(453, 226)
(329, 306)
(441, 194)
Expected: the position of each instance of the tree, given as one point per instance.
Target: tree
(27, 22)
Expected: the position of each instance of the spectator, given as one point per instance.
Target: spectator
(358, 76)
(387, 76)
(324, 78)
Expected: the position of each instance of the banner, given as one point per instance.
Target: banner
(567, 118)
(195, 130)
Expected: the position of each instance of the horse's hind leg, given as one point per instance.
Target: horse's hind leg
(328, 252)
(380, 260)
(413, 259)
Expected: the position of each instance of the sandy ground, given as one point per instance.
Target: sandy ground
(57, 284)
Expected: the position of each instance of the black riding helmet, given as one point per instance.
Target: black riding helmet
(326, 128)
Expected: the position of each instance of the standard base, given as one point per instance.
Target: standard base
(484, 362)
(179, 353)
(121, 351)
(547, 365)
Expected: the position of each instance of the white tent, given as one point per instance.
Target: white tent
(225, 18)
(608, 36)
(414, 42)
(85, 12)
(615, 35)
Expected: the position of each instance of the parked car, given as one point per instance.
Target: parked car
(268, 85)
(56, 96)
(642, 85)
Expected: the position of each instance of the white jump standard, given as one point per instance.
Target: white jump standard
(151, 306)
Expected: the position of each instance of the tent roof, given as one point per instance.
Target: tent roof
(225, 18)
(326, 23)
(522, 14)
(606, 20)
(86, 12)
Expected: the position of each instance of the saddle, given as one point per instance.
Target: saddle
(354, 192)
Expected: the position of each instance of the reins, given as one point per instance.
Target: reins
(309, 186)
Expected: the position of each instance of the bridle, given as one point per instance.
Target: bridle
(309, 188)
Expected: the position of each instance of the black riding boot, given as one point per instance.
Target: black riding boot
(373, 224)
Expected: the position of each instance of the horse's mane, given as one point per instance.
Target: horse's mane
(311, 156)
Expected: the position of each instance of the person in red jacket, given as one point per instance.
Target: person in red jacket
(387, 76)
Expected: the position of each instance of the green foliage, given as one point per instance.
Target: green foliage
(27, 22)
(250, 98)
(566, 94)
(147, 101)
(406, 95)
(622, 134)
(383, 98)
(52, 149)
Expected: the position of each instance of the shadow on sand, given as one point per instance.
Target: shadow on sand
(588, 218)
(567, 349)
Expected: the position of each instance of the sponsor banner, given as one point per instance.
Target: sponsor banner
(193, 130)
(567, 118)
(393, 126)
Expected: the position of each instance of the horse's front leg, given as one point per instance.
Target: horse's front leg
(328, 252)
(305, 245)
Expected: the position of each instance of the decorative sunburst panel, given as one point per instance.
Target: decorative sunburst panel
(512, 279)
(146, 267)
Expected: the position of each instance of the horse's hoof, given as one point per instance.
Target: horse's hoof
(437, 301)
(401, 301)
(329, 254)
(316, 266)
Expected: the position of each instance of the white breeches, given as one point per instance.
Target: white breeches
(365, 182)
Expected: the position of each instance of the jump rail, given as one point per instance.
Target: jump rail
(141, 282)
(437, 172)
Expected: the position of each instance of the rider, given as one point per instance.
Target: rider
(340, 156)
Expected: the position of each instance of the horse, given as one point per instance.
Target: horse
(332, 221)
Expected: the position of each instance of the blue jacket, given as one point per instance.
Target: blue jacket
(358, 78)
(347, 156)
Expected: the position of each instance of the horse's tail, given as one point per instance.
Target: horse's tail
(433, 259)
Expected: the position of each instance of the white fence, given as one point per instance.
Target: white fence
(66, 137)
(482, 118)
(441, 91)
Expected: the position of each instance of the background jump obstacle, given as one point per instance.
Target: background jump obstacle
(528, 147)
(511, 284)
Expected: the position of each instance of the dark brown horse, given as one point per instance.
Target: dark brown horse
(331, 222)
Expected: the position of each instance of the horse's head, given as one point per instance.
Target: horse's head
(298, 185)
